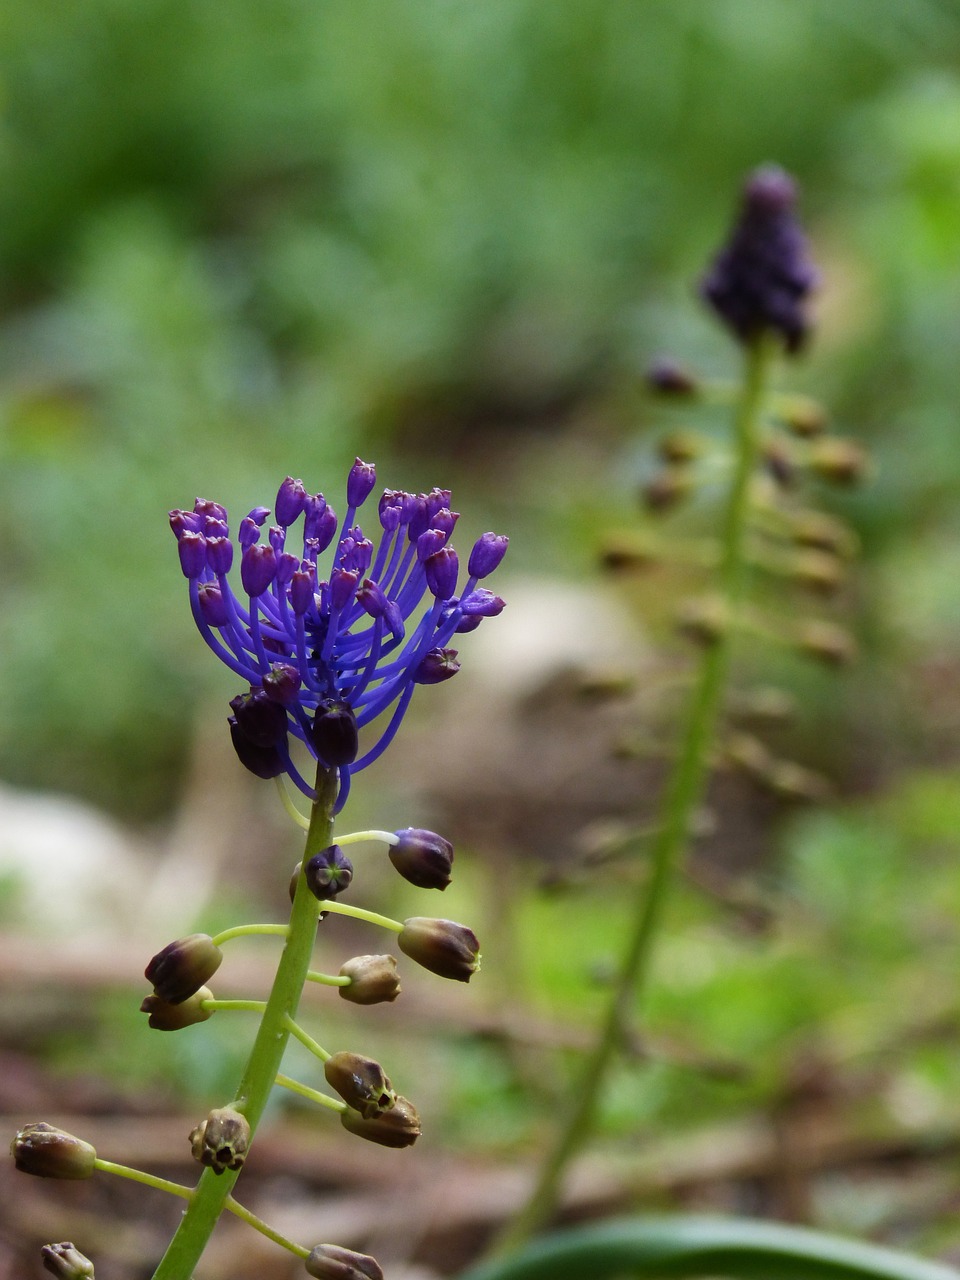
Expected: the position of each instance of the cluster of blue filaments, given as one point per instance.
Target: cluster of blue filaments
(324, 657)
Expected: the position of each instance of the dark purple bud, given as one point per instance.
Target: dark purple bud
(277, 538)
(423, 858)
(481, 603)
(291, 497)
(215, 528)
(445, 520)
(373, 980)
(488, 550)
(258, 515)
(165, 1016)
(265, 762)
(328, 873)
(442, 946)
(193, 554)
(355, 551)
(259, 718)
(416, 514)
(759, 281)
(360, 482)
(398, 1127)
(183, 967)
(334, 733)
(182, 522)
(437, 665)
(394, 619)
(390, 509)
(361, 1082)
(468, 624)
(666, 376)
(442, 569)
(248, 533)
(371, 598)
(219, 554)
(66, 1262)
(204, 507)
(303, 587)
(326, 528)
(333, 1262)
(47, 1152)
(343, 583)
(429, 543)
(281, 683)
(287, 566)
(437, 499)
(314, 505)
(258, 567)
(212, 605)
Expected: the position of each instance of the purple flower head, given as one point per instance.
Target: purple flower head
(760, 280)
(329, 653)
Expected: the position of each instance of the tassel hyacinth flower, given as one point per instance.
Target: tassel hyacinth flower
(325, 652)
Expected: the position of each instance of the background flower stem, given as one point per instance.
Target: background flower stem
(209, 1198)
(683, 791)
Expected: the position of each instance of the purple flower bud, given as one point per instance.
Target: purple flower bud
(334, 733)
(204, 507)
(287, 566)
(193, 554)
(429, 543)
(442, 569)
(326, 527)
(184, 521)
(47, 1152)
(290, 500)
(468, 624)
(759, 281)
(481, 603)
(258, 515)
(423, 858)
(445, 520)
(260, 718)
(355, 551)
(333, 1262)
(343, 583)
(436, 500)
(281, 683)
(258, 566)
(248, 533)
(314, 505)
(277, 537)
(360, 482)
(219, 554)
(215, 528)
(212, 605)
(437, 665)
(370, 596)
(183, 967)
(303, 587)
(328, 873)
(448, 949)
(390, 509)
(417, 515)
(265, 762)
(488, 550)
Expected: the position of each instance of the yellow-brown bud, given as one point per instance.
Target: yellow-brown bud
(331, 1262)
(398, 1127)
(827, 642)
(222, 1140)
(360, 1082)
(165, 1016)
(66, 1262)
(840, 461)
(47, 1152)
(373, 980)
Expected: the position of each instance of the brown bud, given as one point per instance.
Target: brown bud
(703, 620)
(669, 378)
(222, 1140)
(621, 553)
(827, 642)
(47, 1152)
(803, 416)
(442, 946)
(780, 463)
(838, 460)
(183, 967)
(680, 447)
(398, 1127)
(165, 1016)
(668, 488)
(818, 570)
(824, 533)
(792, 781)
(361, 1083)
(331, 1262)
(748, 754)
(373, 980)
(66, 1262)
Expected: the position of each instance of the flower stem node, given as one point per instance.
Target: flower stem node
(373, 980)
(361, 1083)
(165, 1016)
(47, 1152)
(328, 873)
(398, 1127)
(66, 1262)
(221, 1141)
(331, 1262)
(182, 968)
(423, 858)
(442, 946)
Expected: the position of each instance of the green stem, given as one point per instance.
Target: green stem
(306, 1040)
(328, 979)
(251, 1006)
(148, 1179)
(258, 1224)
(210, 1196)
(251, 930)
(360, 913)
(682, 794)
(304, 1090)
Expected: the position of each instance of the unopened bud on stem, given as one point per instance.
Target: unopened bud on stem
(221, 1141)
(397, 1127)
(373, 980)
(182, 968)
(47, 1152)
(66, 1262)
(361, 1082)
(331, 1262)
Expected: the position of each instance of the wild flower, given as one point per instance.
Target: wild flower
(324, 657)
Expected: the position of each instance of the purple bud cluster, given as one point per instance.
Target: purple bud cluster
(322, 657)
(760, 280)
